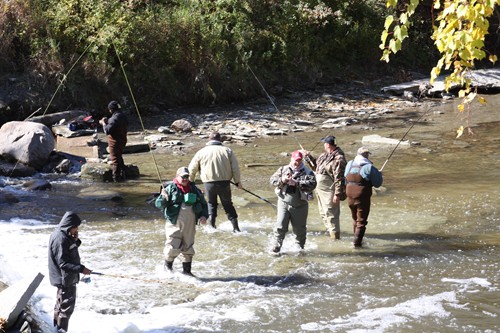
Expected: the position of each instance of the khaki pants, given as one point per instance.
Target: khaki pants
(180, 236)
(330, 213)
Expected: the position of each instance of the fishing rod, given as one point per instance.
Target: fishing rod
(50, 102)
(138, 114)
(267, 95)
(255, 195)
(65, 76)
(408, 131)
(129, 277)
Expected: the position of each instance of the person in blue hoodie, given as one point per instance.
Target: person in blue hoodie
(65, 268)
(361, 176)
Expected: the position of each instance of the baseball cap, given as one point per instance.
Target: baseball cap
(329, 139)
(297, 155)
(183, 171)
(363, 150)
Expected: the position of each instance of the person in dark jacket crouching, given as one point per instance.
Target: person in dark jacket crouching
(65, 268)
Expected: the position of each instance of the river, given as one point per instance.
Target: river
(430, 261)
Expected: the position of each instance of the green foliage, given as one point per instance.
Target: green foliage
(187, 51)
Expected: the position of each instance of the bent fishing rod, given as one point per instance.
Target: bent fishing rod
(255, 195)
(267, 95)
(408, 131)
(138, 114)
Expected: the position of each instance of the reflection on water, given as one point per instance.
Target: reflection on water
(430, 262)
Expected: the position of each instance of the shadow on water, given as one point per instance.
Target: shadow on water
(422, 245)
(265, 281)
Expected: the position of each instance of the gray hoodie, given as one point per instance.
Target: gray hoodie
(64, 259)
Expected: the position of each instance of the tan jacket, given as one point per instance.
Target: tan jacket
(214, 162)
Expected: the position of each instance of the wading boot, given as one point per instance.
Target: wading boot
(211, 220)
(168, 265)
(236, 228)
(335, 235)
(186, 269)
(358, 237)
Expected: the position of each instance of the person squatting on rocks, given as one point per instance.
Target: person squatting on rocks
(217, 165)
(183, 205)
(116, 129)
(294, 184)
(361, 176)
(329, 171)
(65, 268)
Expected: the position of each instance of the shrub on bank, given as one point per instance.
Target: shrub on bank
(186, 52)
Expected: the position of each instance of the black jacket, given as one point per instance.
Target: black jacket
(64, 259)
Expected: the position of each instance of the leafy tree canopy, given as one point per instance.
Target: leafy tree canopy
(459, 32)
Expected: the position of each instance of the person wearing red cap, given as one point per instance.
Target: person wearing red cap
(116, 129)
(294, 184)
(329, 170)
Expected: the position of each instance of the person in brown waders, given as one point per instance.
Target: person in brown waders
(116, 129)
(361, 176)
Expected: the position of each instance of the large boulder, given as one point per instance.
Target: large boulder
(15, 169)
(27, 142)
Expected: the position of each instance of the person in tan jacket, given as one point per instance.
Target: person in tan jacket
(217, 166)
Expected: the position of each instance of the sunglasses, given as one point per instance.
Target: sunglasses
(185, 177)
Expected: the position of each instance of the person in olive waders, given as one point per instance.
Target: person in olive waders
(116, 129)
(361, 176)
(183, 205)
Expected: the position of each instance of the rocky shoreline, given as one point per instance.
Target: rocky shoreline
(297, 112)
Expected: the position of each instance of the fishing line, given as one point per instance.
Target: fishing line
(138, 113)
(50, 102)
(267, 95)
(130, 277)
(65, 76)
(408, 131)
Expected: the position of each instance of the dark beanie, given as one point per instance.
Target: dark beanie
(215, 136)
(114, 105)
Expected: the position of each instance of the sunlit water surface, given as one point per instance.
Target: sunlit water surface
(429, 264)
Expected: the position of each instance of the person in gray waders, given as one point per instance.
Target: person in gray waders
(294, 184)
(65, 268)
(183, 205)
(361, 176)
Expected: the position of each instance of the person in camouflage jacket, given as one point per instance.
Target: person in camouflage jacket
(329, 170)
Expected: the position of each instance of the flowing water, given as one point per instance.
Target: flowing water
(430, 261)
